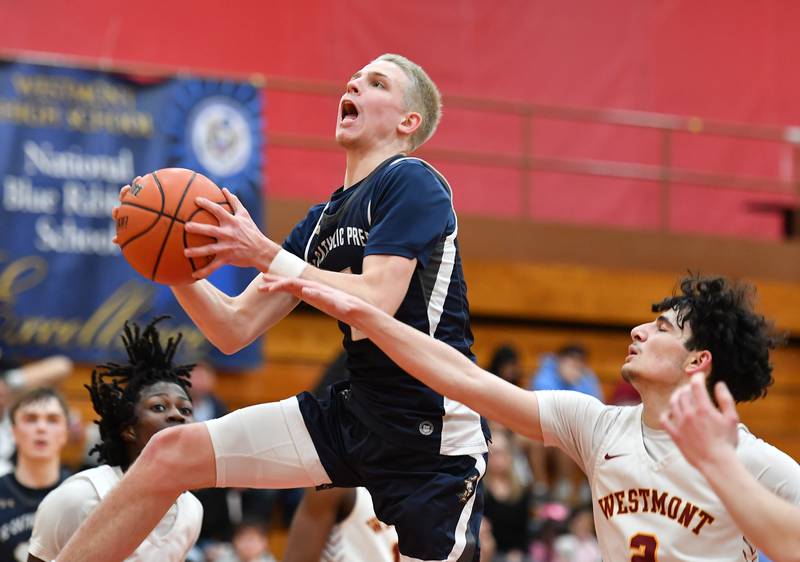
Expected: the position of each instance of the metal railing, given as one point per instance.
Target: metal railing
(527, 162)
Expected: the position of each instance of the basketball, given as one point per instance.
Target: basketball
(150, 222)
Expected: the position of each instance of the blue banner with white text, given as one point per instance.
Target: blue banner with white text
(69, 140)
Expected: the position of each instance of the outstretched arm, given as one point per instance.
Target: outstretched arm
(707, 437)
(44, 372)
(434, 363)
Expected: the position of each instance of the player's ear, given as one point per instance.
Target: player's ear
(410, 123)
(700, 362)
(128, 434)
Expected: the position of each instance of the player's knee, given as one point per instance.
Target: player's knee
(177, 460)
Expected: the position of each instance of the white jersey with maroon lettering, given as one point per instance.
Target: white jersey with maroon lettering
(361, 537)
(650, 504)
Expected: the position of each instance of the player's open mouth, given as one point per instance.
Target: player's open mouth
(349, 110)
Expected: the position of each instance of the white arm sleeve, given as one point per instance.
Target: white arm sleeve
(59, 515)
(574, 422)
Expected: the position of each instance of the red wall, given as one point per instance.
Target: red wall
(732, 60)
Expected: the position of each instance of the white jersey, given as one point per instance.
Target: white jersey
(649, 502)
(65, 508)
(361, 537)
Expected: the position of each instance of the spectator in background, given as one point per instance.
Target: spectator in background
(224, 509)
(549, 525)
(567, 369)
(250, 544)
(624, 394)
(15, 379)
(579, 544)
(505, 364)
(39, 425)
(207, 405)
(508, 501)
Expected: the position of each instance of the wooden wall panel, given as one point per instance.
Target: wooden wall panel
(538, 307)
(598, 295)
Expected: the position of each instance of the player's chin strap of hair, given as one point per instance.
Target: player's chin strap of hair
(286, 264)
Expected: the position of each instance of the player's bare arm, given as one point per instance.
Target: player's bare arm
(239, 242)
(313, 521)
(45, 372)
(435, 363)
(383, 282)
(707, 437)
(231, 323)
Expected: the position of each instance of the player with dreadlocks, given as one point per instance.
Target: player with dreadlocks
(134, 400)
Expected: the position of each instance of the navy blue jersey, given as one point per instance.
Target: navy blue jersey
(18, 505)
(403, 208)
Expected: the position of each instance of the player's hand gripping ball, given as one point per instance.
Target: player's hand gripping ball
(150, 221)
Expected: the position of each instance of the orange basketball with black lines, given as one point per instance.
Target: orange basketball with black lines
(150, 221)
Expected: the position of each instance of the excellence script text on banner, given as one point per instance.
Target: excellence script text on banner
(69, 140)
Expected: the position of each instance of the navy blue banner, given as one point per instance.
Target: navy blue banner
(69, 140)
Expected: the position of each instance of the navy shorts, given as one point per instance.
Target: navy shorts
(434, 501)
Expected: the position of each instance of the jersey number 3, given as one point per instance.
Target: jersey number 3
(644, 548)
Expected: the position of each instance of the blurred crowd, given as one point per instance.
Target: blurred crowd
(538, 503)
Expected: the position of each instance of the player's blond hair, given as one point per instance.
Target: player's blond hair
(421, 96)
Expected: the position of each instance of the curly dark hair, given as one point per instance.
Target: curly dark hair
(720, 314)
(116, 387)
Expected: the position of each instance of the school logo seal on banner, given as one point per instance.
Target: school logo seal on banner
(220, 137)
(216, 130)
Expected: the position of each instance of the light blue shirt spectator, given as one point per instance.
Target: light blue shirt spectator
(567, 370)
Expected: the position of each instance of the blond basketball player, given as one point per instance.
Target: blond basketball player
(389, 234)
(650, 504)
